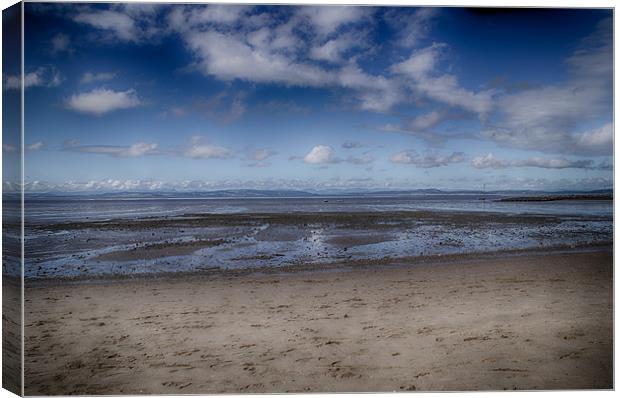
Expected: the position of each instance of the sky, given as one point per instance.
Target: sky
(193, 97)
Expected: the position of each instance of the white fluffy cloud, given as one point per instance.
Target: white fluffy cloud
(328, 19)
(100, 101)
(321, 154)
(325, 154)
(427, 161)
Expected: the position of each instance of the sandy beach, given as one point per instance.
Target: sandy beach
(522, 321)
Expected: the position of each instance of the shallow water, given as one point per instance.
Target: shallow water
(82, 209)
(109, 249)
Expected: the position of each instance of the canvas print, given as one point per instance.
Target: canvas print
(220, 198)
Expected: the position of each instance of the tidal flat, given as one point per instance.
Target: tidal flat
(191, 242)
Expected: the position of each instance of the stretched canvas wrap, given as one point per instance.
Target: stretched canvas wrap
(219, 198)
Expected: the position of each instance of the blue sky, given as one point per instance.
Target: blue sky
(194, 97)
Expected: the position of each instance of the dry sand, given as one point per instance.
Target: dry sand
(520, 322)
(11, 333)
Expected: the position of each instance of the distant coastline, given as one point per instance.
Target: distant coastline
(550, 198)
(282, 193)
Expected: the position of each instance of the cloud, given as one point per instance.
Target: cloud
(199, 149)
(332, 51)
(428, 136)
(410, 25)
(224, 107)
(552, 118)
(491, 162)
(277, 53)
(360, 160)
(420, 63)
(420, 68)
(546, 184)
(328, 19)
(259, 158)
(427, 120)
(90, 77)
(555, 163)
(228, 57)
(343, 47)
(321, 154)
(207, 152)
(135, 150)
(427, 161)
(334, 184)
(119, 24)
(351, 145)
(128, 23)
(218, 14)
(374, 92)
(184, 19)
(596, 141)
(35, 146)
(282, 50)
(100, 101)
(9, 148)
(44, 76)
(318, 47)
(61, 43)
(106, 185)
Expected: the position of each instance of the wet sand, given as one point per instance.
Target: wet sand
(529, 321)
(190, 242)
